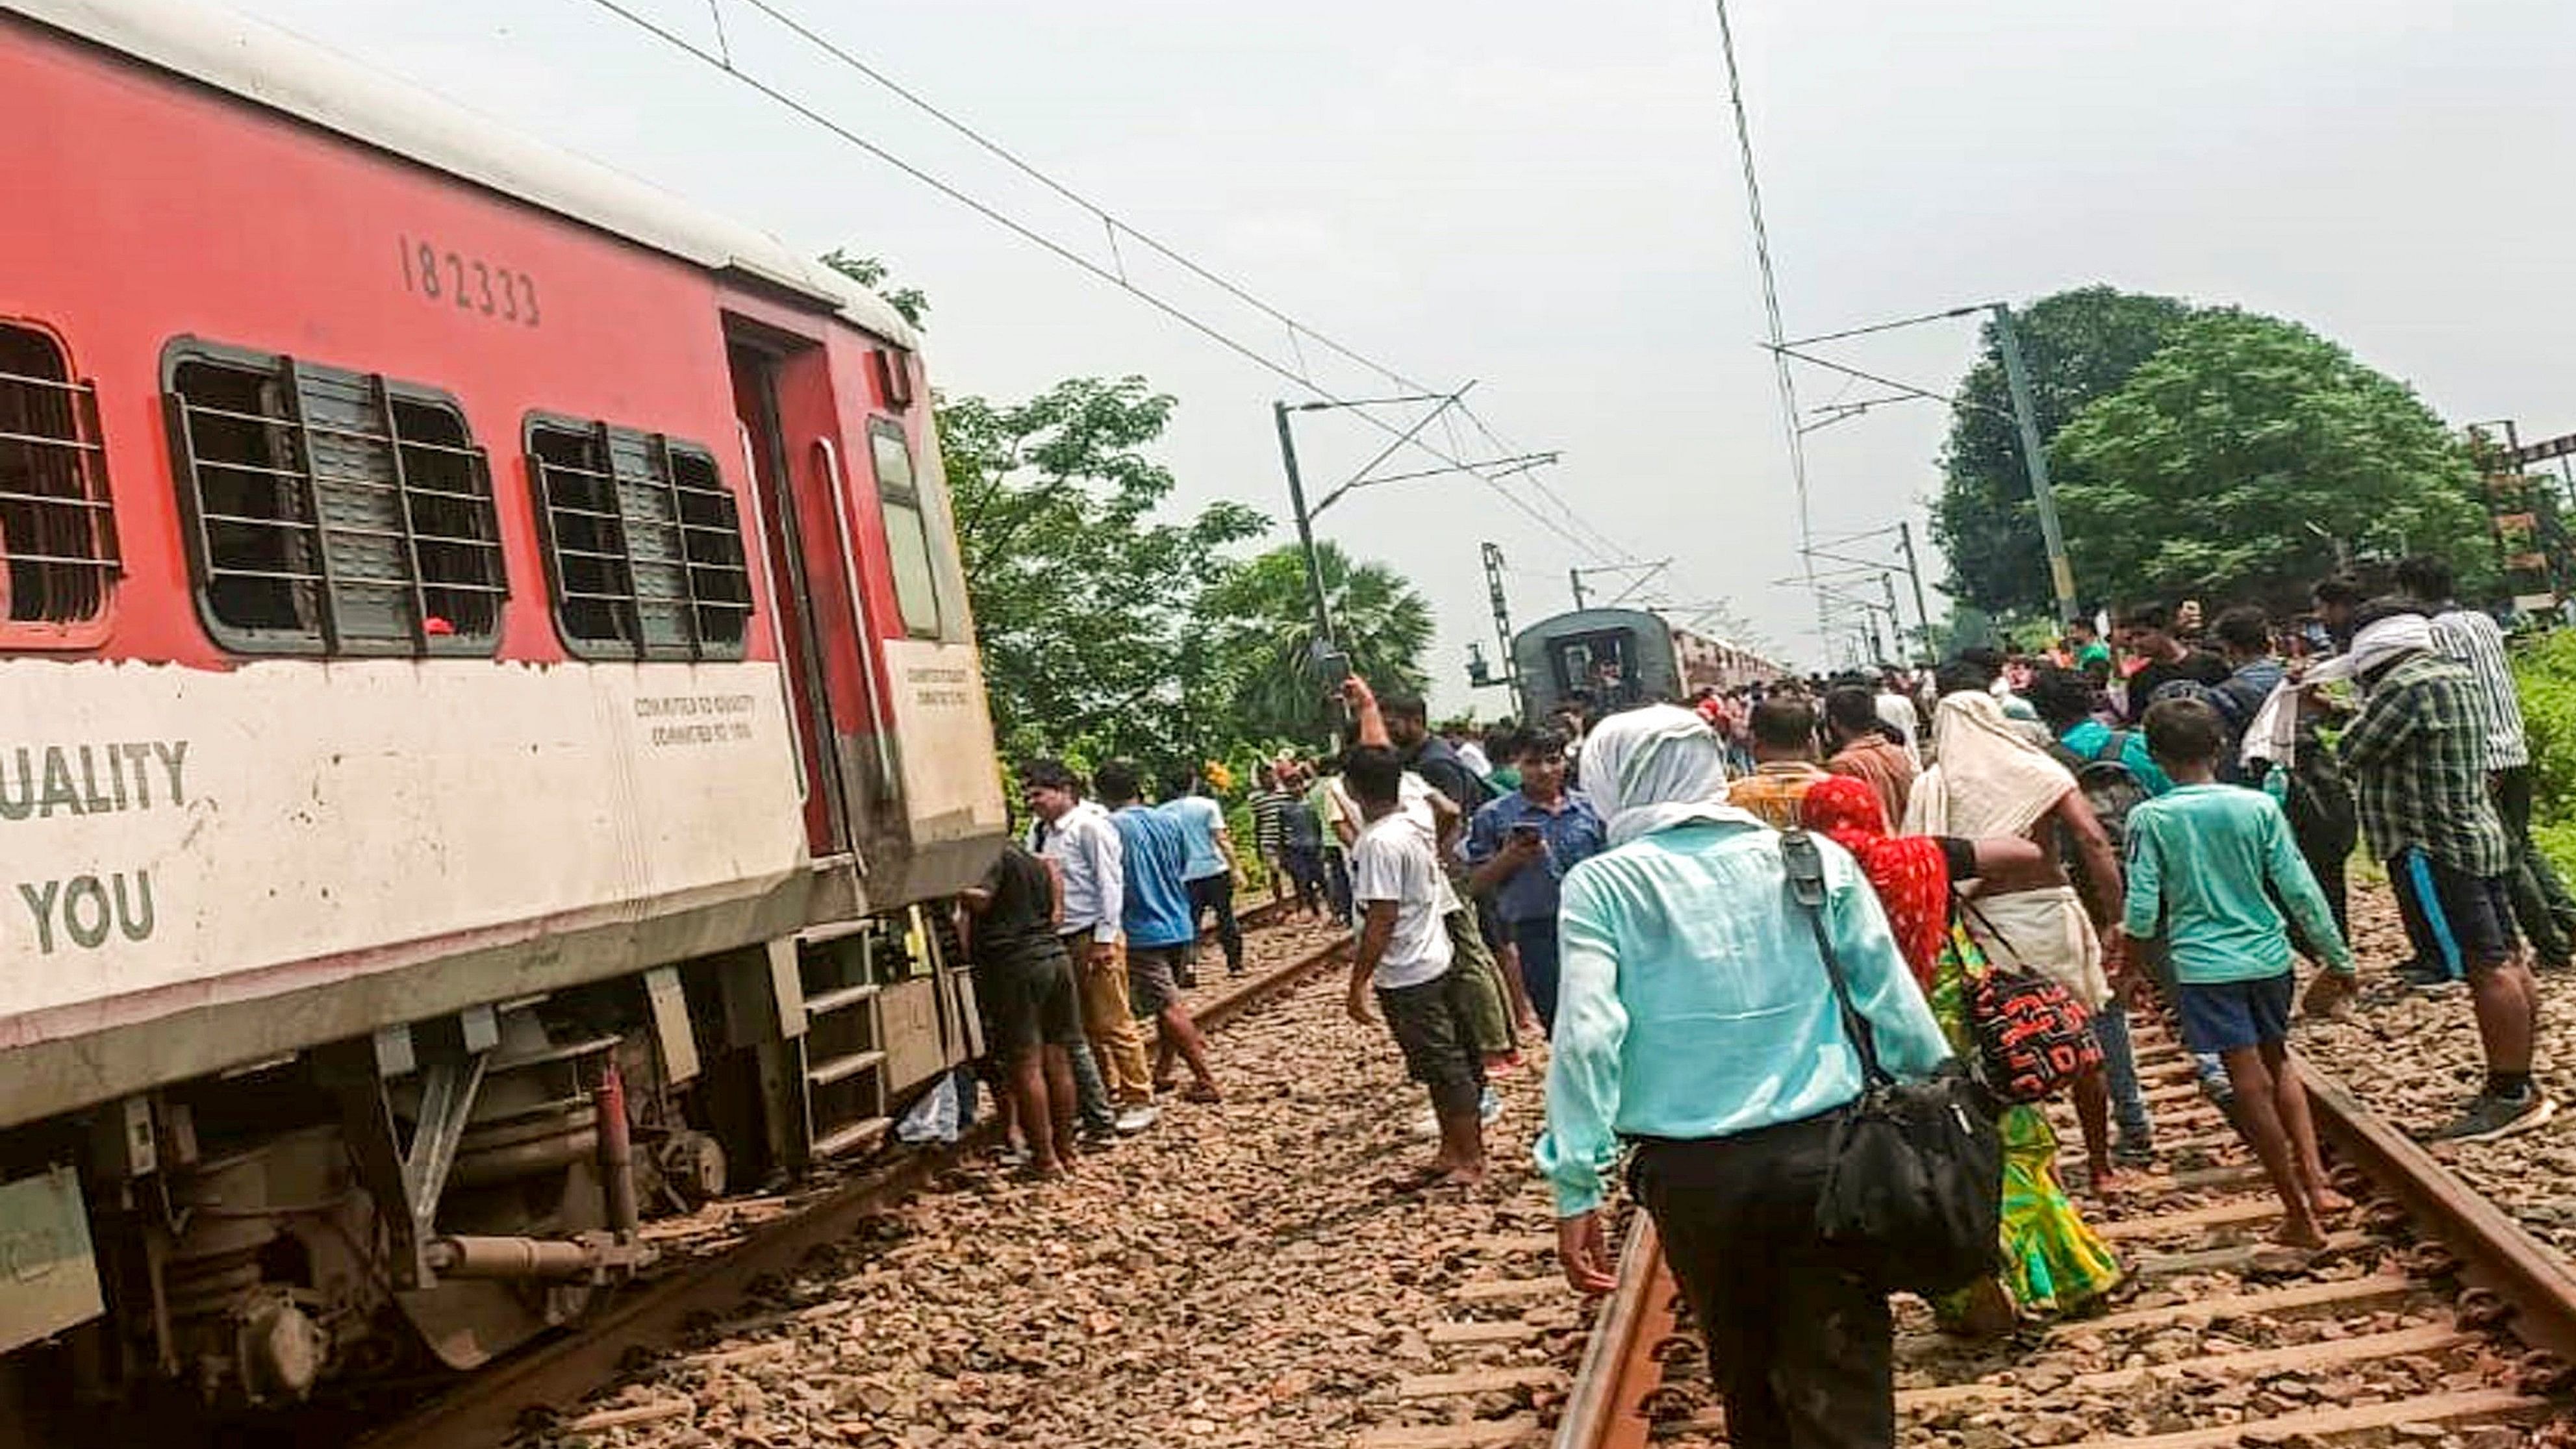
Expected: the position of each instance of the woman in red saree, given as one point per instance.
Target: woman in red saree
(2053, 1263)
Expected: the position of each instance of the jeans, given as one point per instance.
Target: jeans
(1305, 866)
(1092, 1106)
(1337, 884)
(2540, 901)
(1216, 892)
(1800, 1344)
(2120, 1074)
(1536, 941)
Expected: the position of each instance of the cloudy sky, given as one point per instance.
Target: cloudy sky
(1545, 198)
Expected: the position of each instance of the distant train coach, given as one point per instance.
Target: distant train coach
(485, 688)
(1609, 659)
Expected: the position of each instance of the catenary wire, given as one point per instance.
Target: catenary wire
(1595, 544)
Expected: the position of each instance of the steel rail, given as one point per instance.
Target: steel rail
(488, 1407)
(1608, 1405)
(1603, 1411)
(2496, 1252)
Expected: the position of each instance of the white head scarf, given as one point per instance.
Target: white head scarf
(1650, 769)
(2384, 641)
(1987, 778)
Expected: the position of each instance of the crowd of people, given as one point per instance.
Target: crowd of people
(2156, 821)
(2161, 826)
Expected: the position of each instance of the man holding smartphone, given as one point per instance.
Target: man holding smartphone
(1519, 846)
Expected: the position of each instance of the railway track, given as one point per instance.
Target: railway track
(493, 1404)
(2432, 1318)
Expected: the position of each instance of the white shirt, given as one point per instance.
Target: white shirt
(1392, 861)
(1083, 842)
(1412, 803)
(1473, 756)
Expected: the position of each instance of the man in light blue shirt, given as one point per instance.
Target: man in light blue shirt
(1160, 930)
(1208, 874)
(1695, 1018)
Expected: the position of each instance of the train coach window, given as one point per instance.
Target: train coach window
(916, 576)
(336, 512)
(57, 536)
(645, 543)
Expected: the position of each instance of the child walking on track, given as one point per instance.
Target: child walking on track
(2207, 864)
(1405, 952)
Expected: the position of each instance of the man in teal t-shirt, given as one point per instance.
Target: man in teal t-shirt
(2065, 704)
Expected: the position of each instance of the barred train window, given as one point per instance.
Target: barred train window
(336, 512)
(916, 576)
(57, 537)
(644, 541)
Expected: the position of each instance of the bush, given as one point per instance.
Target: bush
(2545, 676)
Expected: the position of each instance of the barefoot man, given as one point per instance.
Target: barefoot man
(1404, 952)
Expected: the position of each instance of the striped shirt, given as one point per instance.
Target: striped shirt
(2472, 639)
(1269, 809)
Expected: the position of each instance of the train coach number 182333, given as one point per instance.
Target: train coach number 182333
(474, 284)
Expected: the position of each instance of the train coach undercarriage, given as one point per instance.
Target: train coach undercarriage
(424, 1198)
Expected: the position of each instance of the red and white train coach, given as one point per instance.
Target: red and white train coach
(484, 679)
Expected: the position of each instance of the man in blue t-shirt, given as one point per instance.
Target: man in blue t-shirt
(1161, 930)
(1209, 873)
(1520, 846)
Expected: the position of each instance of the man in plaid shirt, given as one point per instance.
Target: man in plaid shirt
(2469, 637)
(2417, 758)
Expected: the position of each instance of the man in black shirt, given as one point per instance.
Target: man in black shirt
(2147, 630)
(1408, 723)
(1025, 987)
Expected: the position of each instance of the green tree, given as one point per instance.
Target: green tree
(2079, 345)
(1084, 601)
(2251, 453)
(908, 302)
(1262, 618)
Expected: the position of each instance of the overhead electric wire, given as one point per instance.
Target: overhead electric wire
(1771, 305)
(1597, 543)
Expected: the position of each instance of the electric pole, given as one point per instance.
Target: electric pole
(1305, 528)
(1575, 577)
(1511, 678)
(1914, 575)
(2061, 573)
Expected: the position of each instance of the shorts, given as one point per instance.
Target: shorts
(1153, 982)
(2457, 922)
(1432, 1033)
(2229, 1016)
(1027, 1003)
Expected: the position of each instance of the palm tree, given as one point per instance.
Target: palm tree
(1261, 616)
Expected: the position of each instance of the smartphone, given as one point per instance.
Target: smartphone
(1528, 833)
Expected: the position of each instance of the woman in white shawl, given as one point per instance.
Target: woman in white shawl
(1990, 780)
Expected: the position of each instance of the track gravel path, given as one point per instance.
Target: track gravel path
(1237, 1276)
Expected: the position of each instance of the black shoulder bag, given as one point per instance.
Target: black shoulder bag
(1914, 1191)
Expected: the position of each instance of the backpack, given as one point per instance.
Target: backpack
(2109, 785)
(2233, 699)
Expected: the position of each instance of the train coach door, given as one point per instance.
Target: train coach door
(805, 603)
